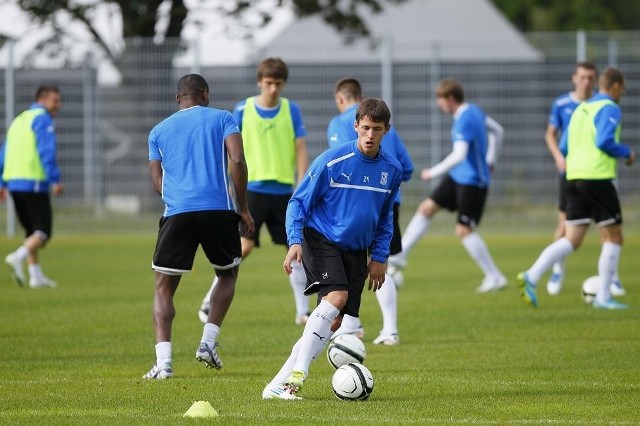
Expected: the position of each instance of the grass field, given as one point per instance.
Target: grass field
(76, 355)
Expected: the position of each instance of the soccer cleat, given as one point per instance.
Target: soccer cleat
(609, 304)
(165, 372)
(209, 356)
(16, 268)
(554, 285)
(302, 319)
(295, 381)
(527, 290)
(397, 275)
(490, 284)
(42, 282)
(358, 332)
(617, 289)
(203, 312)
(387, 340)
(279, 392)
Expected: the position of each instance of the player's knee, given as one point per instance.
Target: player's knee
(337, 298)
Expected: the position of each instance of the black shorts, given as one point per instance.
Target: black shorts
(468, 200)
(329, 268)
(562, 195)
(593, 199)
(179, 236)
(34, 213)
(396, 239)
(272, 210)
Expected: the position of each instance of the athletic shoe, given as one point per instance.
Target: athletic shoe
(302, 319)
(397, 262)
(554, 285)
(490, 284)
(527, 290)
(165, 372)
(397, 275)
(609, 304)
(295, 381)
(16, 268)
(209, 356)
(42, 282)
(279, 392)
(387, 340)
(203, 312)
(358, 332)
(617, 289)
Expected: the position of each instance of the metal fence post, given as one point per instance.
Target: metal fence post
(581, 46)
(9, 109)
(435, 117)
(386, 63)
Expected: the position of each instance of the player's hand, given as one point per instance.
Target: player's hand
(3, 193)
(561, 164)
(293, 255)
(631, 159)
(57, 188)
(247, 227)
(377, 271)
(425, 174)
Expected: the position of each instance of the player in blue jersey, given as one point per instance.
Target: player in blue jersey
(29, 170)
(274, 140)
(476, 139)
(340, 214)
(195, 156)
(583, 78)
(348, 95)
(591, 144)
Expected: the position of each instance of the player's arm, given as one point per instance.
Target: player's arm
(239, 175)
(155, 167)
(495, 138)
(457, 156)
(551, 139)
(302, 158)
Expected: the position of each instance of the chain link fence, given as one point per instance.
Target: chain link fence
(102, 128)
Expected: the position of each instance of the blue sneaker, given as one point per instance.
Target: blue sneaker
(609, 304)
(527, 290)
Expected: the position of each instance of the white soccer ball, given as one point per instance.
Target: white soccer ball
(353, 382)
(590, 288)
(345, 349)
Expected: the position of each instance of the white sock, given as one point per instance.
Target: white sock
(554, 252)
(607, 266)
(416, 229)
(316, 334)
(35, 271)
(388, 300)
(281, 377)
(210, 334)
(163, 353)
(479, 252)
(298, 281)
(207, 297)
(21, 253)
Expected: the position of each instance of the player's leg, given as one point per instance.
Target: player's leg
(387, 295)
(41, 223)
(16, 259)
(174, 254)
(554, 285)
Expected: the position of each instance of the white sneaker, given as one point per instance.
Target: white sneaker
(203, 312)
(397, 262)
(617, 289)
(302, 319)
(554, 286)
(17, 269)
(397, 275)
(387, 340)
(165, 372)
(490, 284)
(358, 332)
(279, 392)
(42, 282)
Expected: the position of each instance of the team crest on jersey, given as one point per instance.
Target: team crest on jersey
(383, 178)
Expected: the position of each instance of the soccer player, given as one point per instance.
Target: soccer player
(189, 155)
(583, 78)
(29, 171)
(274, 138)
(592, 145)
(341, 212)
(348, 95)
(477, 139)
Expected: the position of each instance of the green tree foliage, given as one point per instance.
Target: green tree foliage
(571, 15)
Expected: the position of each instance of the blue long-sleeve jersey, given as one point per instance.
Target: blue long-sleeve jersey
(347, 197)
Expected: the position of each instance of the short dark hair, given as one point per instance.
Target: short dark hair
(273, 68)
(587, 65)
(450, 87)
(376, 109)
(44, 89)
(192, 85)
(349, 87)
(609, 77)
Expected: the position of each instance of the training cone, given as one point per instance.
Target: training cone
(201, 409)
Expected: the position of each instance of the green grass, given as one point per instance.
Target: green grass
(75, 355)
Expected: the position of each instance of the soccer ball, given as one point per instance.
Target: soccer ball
(345, 349)
(590, 288)
(352, 382)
